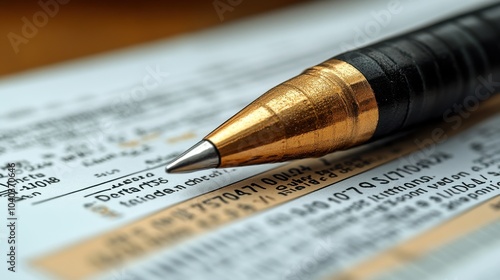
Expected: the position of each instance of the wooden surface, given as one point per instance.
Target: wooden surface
(83, 27)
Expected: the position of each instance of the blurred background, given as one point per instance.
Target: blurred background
(37, 33)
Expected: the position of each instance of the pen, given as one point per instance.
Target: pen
(360, 95)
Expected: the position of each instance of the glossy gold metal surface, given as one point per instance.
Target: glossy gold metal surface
(328, 107)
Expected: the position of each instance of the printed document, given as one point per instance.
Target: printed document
(84, 144)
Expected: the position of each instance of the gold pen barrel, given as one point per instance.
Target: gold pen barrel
(328, 107)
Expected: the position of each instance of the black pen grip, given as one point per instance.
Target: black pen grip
(451, 65)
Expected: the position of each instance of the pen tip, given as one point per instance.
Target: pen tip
(203, 155)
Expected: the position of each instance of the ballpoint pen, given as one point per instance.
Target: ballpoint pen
(360, 95)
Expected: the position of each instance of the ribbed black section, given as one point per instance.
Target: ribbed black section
(422, 74)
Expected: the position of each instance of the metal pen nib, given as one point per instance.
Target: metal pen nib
(203, 155)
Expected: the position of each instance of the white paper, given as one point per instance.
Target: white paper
(71, 128)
